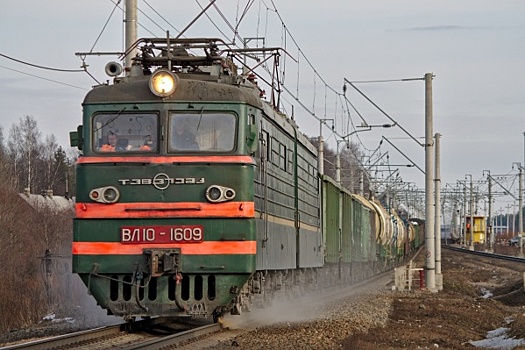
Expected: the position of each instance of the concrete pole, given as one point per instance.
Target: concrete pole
(131, 31)
(337, 165)
(361, 182)
(437, 182)
(321, 144)
(430, 254)
(508, 219)
(489, 220)
(520, 211)
(320, 151)
(471, 243)
(513, 218)
(464, 227)
(455, 221)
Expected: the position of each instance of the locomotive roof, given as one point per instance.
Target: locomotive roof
(204, 66)
(192, 87)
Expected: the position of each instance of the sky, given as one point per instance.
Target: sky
(474, 48)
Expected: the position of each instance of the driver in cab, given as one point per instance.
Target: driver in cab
(112, 145)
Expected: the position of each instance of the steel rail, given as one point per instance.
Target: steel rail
(485, 254)
(68, 339)
(177, 339)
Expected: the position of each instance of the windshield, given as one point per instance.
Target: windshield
(205, 132)
(125, 132)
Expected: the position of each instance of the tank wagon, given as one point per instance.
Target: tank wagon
(195, 196)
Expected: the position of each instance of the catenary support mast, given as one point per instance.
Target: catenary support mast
(131, 31)
(430, 254)
(437, 231)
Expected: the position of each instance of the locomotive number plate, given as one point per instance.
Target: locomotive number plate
(161, 234)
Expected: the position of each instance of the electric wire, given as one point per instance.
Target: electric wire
(41, 67)
(138, 22)
(212, 22)
(239, 20)
(227, 22)
(105, 25)
(47, 79)
(162, 17)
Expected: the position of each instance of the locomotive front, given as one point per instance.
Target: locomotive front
(165, 197)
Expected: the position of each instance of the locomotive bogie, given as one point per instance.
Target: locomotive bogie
(196, 295)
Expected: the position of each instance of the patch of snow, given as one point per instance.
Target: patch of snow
(53, 319)
(497, 339)
(49, 317)
(485, 293)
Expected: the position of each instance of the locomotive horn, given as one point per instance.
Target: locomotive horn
(113, 69)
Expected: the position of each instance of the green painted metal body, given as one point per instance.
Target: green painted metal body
(239, 176)
(214, 230)
(210, 281)
(348, 238)
(331, 220)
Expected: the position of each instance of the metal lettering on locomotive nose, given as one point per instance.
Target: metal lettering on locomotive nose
(162, 181)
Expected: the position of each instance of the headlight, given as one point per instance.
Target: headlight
(105, 195)
(216, 194)
(110, 195)
(163, 83)
(213, 194)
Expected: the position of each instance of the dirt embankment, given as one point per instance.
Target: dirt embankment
(479, 295)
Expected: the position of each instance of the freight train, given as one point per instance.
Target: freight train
(195, 196)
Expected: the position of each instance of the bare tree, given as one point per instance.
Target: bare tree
(2, 146)
(352, 170)
(23, 147)
(71, 158)
(35, 165)
(4, 164)
(53, 164)
(351, 166)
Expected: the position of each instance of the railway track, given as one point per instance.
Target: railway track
(208, 336)
(126, 337)
(486, 254)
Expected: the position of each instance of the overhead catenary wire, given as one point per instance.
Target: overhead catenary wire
(160, 15)
(41, 67)
(105, 25)
(212, 22)
(46, 79)
(239, 20)
(203, 11)
(142, 12)
(383, 112)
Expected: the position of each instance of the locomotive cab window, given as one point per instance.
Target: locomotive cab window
(121, 132)
(205, 132)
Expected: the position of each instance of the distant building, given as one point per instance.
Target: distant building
(48, 200)
(500, 229)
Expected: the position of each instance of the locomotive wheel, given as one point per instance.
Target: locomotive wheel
(247, 305)
(217, 316)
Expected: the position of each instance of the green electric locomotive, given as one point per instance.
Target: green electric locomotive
(165, 222)
(193, 193)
